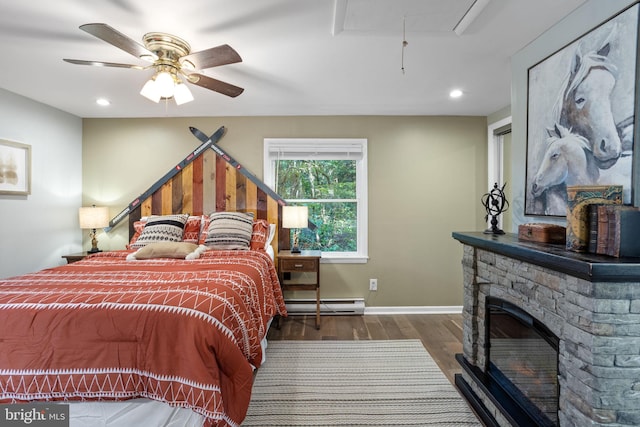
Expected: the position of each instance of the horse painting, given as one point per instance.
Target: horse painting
(585, 104)
(584, 95)
(567, 161)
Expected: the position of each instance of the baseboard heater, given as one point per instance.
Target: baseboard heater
(340, 307)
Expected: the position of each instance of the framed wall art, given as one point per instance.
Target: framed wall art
(581, 114)
(15, 168)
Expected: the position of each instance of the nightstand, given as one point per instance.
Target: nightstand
(301, 272)
(75, 257)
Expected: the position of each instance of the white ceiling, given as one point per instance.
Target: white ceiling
(300, 57)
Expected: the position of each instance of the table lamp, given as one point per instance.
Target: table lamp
(92, 218)
(295, 217)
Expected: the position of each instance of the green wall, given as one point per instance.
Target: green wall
(426, 178)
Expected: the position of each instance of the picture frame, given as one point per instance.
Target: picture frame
(581, 116)
(15, 168)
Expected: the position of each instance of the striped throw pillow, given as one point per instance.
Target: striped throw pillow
(161, 228)
(229, 230)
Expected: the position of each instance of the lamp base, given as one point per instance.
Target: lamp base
(295, 250)
(94, 243)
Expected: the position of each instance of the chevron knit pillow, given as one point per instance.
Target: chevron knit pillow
(162, 228)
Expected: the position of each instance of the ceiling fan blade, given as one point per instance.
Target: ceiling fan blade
(103, 64)
(215, 85)
(212, 57)
(117, 39)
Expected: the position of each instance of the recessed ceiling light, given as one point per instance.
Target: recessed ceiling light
(456, 93)
(103, 101)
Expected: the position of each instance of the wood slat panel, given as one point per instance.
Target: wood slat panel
(166, 205)
(209, 184)
(262, 206)
(187, 189)
(251, 198)
(230, 188)
(197, 193)
(241, 192)
(176, 195)
(146, 207)
(156, 202)
(221, 185)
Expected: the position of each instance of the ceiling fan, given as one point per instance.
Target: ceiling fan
(171, 57)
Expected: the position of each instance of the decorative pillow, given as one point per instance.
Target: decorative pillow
(192, 229)
(205, 229)
(178, 250)
(162, 228)
(229, 230)
(270, 236)
(259, 234)
(138, 226)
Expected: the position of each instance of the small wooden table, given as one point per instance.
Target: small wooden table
(75, 257)
(301, 272)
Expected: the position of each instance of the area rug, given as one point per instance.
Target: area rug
(354, 383)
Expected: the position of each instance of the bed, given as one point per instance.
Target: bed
(171, 330)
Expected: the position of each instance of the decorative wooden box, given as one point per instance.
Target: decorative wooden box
(543, 233)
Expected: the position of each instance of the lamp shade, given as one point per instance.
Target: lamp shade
(165, 84)
(295, 216)
(150, 91)
(182, 94)
(93, 217)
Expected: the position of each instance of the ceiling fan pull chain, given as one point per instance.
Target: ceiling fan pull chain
(404, 41)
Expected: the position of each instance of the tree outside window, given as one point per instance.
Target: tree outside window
(329, 177)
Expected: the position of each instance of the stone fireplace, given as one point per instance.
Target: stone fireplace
(584, 316)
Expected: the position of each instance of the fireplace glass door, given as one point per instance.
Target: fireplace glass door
(523, 360)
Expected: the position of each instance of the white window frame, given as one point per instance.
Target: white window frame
(327, 149)
(495, 158)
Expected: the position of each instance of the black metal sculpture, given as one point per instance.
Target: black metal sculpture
(495, 203)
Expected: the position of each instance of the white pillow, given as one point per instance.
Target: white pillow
(272, 233)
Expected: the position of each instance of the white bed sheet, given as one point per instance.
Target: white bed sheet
(131, 413)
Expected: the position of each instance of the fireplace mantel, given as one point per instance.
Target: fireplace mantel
(591, 303)
(594, 268)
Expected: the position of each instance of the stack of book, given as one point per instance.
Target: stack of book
(578, 199)
(614, 230)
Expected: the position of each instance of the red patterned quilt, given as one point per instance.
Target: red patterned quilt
(181, 332)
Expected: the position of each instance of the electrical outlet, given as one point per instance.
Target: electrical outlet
(373, 284)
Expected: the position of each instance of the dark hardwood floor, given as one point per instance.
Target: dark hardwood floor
(441, 334)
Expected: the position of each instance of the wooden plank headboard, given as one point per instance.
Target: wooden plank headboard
(210, 184)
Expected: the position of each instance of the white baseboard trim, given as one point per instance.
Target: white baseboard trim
(434, 309)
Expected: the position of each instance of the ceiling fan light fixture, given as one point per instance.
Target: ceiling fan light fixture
(165, 84)
(150, 91)
(169, 56)
(182, 94)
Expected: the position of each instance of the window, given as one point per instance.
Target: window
(330, 177)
